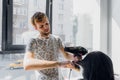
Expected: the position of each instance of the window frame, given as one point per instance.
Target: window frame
(105, 27)
(7, 26)
(7, 11)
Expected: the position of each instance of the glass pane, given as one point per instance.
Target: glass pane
(22, 12)
(11, 68)
(77, 22)
(0, 23)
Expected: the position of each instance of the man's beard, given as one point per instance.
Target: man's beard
(45, 34)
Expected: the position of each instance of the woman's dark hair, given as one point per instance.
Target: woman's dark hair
(97, 66)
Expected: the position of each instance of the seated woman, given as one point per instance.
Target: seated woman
(97, 66)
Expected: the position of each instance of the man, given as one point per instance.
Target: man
(42, 52)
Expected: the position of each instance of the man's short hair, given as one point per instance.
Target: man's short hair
(38, 17)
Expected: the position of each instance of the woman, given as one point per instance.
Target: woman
(97, 66)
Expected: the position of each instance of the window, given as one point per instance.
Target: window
(80, 25)
(62, 0)
(60, 17)
(77, 22)
(61, 32)
(82, 21)
(61, 6)
(0, 23)
(16, 26)
(22, 12)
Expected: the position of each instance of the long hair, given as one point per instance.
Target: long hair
(97, 66)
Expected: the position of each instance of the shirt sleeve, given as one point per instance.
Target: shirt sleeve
(31, 45)
(60, 43)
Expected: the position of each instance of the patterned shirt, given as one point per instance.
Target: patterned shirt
(46, 49)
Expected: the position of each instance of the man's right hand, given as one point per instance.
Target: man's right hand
(68, 64)
(64, 64)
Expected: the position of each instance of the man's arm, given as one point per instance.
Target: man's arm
(30, 63)
(67, 55)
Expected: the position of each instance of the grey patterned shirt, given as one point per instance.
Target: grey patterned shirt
(46, 49)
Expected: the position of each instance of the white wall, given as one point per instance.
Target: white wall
(116, 35)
